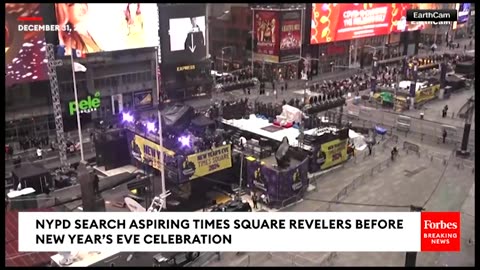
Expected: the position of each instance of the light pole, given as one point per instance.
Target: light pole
(223, 18)
(160, 136)
(223, 55)
(79, 125)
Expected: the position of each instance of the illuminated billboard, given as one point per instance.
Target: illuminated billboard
(267, 34)
(463, 12)
(25, 59)
(107, 27)
(337, 22)
(183, 33)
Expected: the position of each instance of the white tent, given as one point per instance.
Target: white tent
(358, 140)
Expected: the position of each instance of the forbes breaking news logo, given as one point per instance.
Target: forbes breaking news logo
(35, 24)
(432, 16)
(440, 231)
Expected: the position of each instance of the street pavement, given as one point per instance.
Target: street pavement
(51, 159)
(408, 180)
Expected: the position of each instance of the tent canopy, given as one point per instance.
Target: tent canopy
(29, 170)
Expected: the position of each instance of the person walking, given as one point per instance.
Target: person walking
(369, 145)
(444, 135)
(39, 153)
(394, 153)
(445, 111)
(255, 201)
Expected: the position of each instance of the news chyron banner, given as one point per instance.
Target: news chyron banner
(290, 35)
(337, 22)
(211, 161)
(267, 35)
(111, 232)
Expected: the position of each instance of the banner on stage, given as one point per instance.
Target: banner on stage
(211, 161)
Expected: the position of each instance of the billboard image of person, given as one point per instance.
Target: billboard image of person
(290, 35)
(267, 34)
(187, 34)
(107, 27)
(337, 22)
(25, 59)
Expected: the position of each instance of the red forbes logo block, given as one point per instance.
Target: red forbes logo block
(440, 231)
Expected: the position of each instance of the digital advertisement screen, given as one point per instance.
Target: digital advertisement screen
(187, 34)
(183, 34)
(267, 34)
(107, 27)
(25, 59)
(336, 22)
(290, 35)
(463, 12)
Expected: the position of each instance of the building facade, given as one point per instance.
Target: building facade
(122, 79)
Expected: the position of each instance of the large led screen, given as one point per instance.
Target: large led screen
(187, 34)
(337, 22)
(107, 27)
(25, 58)
(463, 12)
(183, 33)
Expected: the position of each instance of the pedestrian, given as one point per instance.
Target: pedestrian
(394, 153)
(255, 201)
(445, 109)
(444, 135)
(369, 145)
(248, 90)
(39, 153)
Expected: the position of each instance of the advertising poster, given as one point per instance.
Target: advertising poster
(143, 99)
(336, 22)
(211, 161)
(335, 152)
(107, 27)
(25, 59)
(290, 35)
(267, 35)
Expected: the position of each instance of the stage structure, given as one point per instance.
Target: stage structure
(57, 107)
(183, 160)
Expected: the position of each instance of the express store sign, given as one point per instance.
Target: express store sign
(337, 22)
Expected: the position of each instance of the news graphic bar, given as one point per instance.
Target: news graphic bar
(30, 19)
(234, 231)
(432, 15)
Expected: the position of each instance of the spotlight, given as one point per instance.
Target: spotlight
(150, 126)
(185, 141)
(127, 117)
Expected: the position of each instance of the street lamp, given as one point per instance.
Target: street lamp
(224, 17)
(223, 54)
